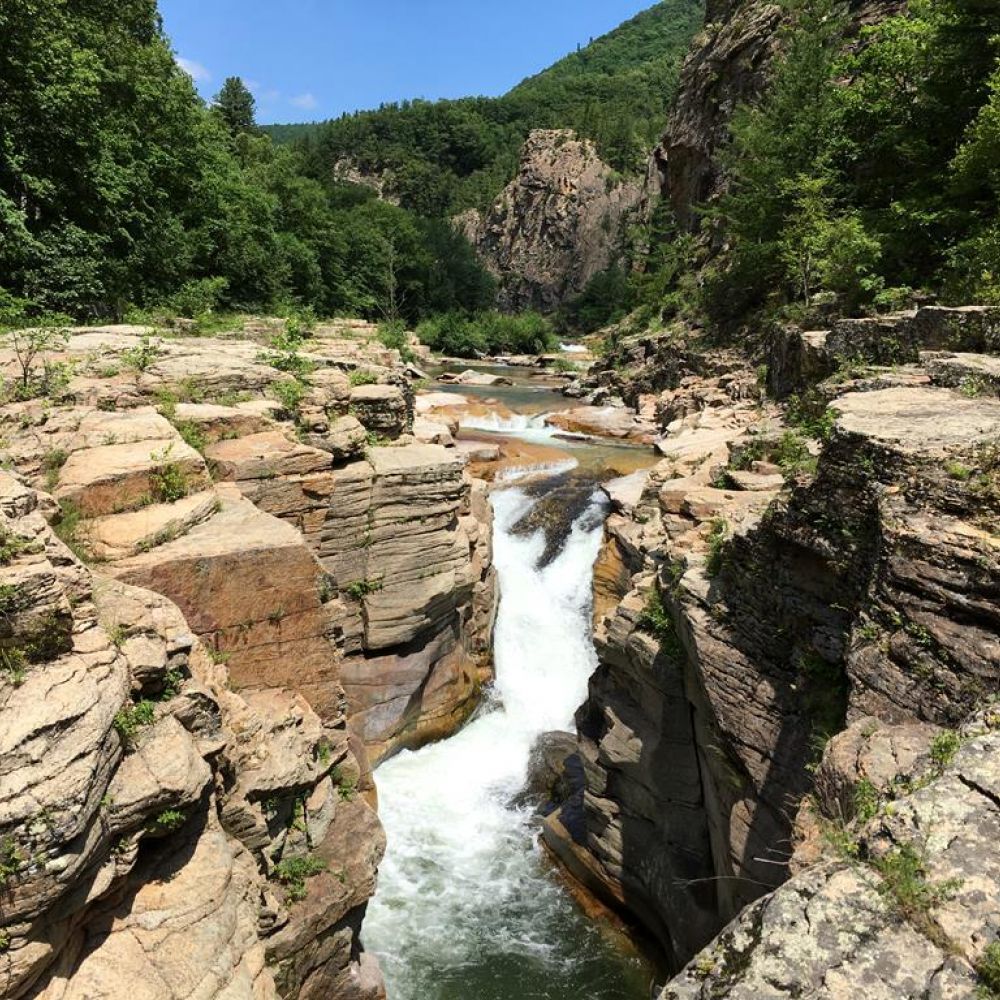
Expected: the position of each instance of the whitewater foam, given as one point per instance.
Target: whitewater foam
(466, 909)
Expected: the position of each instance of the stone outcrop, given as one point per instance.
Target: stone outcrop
(905, 908)
(150, 817)
(764, 591)
(277, 574)
(323, 542)
(728, 66)
(557, 224)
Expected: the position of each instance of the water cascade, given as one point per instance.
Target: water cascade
(468, 908)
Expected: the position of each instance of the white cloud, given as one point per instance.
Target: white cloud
(306, 102)
(195, 70)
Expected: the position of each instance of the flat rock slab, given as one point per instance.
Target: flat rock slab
(264, 456)
(754, 482)
(249, 587)
(120, 477)
(118, 536)
(929, 422)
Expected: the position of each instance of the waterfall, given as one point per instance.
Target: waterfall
(467, 907)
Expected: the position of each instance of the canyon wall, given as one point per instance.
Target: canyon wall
(784, 581)
(260, 584)
(558, 223)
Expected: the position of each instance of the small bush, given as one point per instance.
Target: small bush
(988, 970)
(67, 529)
(944, 746)
(907, 886)
(169, 482)
(362, 588)
(52, 463)
(716, 546)
(132, 719)
(289, 394)
(143, 356)
(14, 665)
(192, 434)
(292, 874)
(168, 821)
(198, 297)
(361, 376)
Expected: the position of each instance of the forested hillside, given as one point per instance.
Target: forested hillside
(866, 176)
(443, 156)
(119, 189)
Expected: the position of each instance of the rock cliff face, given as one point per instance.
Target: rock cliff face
(274, 583)
(727, 66)
(768, 599)
(557, 224)
(151, 819)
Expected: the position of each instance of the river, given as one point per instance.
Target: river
(468, 906)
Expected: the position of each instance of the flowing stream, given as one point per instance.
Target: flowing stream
(468, 908)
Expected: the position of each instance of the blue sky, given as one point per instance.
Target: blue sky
(313, 59)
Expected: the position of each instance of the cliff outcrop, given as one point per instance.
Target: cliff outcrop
(784, 574)
(161, 833)
(222, 587)
(557, 224)
(728, 65)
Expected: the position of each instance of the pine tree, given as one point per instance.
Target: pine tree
(236, 106)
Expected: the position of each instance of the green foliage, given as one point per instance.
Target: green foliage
(31, 347)
(14, 665)
(362, 376)
(441, 157)
(608, 297)
(717, 538)
(192, 434)
(988, 969)
(169, 482)
(362, 588)
(236, 107)
(67, 529)
(292, 874)
(944, 746)
(290, 394)
(462, 336)
(867, 170)
(52, 462)
(168, 821)
(866, 801)
(907, 887)
(656, 619)
(12, 546)
(132, 719)
(143, 356)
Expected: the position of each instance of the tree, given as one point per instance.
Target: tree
(236, 106)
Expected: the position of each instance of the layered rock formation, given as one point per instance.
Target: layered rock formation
(152, 821)
(293, 530)
(557, 224)
(272, 580)
(767, 598)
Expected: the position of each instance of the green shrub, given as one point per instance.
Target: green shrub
(362, 588)
(169, 482)
(906, 885)
(168, 821)
(944, 746)
(290, 394)
(988, 969)
(198, 297)
(361, 376)
(132, 719)
(716, 546)
(487, 333)
(293, 872)
(192, 434)
(143, 356)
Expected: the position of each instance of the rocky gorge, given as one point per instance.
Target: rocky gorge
(220, 604)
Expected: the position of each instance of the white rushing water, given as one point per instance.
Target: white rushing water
(466, 909)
